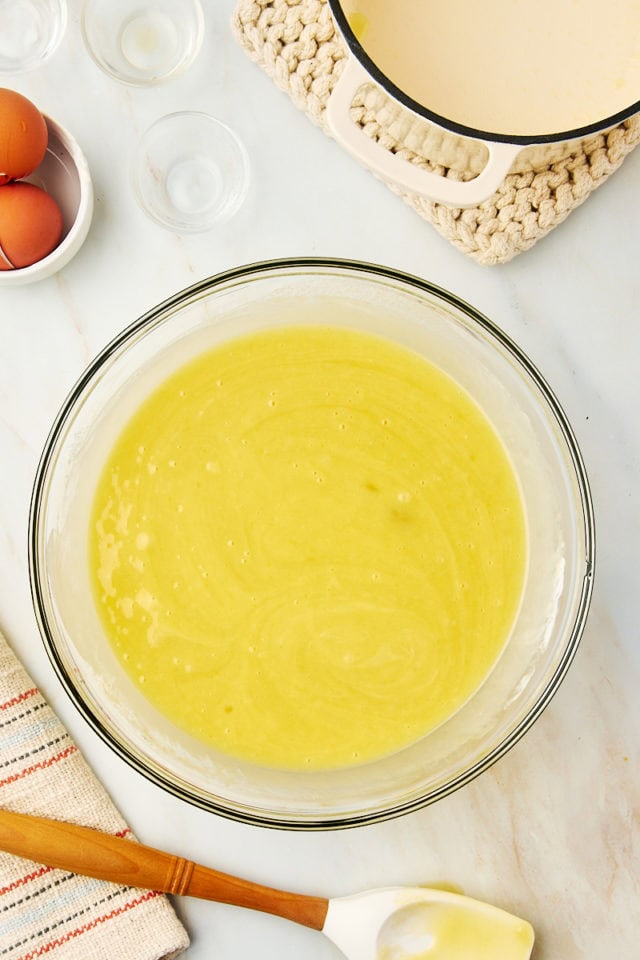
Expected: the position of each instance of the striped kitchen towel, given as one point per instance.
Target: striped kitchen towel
(51, 913)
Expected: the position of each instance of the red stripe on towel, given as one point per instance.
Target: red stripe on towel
(40, 766)
(19, 698)
(30, 876)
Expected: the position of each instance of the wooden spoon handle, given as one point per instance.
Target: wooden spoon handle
(95, 854)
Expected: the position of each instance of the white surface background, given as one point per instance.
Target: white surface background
(551, 831)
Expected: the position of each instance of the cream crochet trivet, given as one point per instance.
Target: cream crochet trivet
(52, 913)
(294, 41)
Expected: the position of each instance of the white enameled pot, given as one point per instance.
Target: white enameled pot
(443, 128)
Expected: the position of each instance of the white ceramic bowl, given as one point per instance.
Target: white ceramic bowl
(543, 451)
(64, 173)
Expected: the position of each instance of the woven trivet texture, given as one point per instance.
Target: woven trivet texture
(47, 912)
(296, 44)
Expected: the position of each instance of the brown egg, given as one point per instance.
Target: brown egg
(23, 136)
(30, 225)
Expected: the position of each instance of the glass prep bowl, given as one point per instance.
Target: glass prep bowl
(190, 172)
(142, 44)
(30, 31)
(544, 454)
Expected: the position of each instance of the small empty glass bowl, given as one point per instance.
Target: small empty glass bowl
(190, 172)
(145, 42)
(30, 30)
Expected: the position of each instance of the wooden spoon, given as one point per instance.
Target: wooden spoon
(393, 923)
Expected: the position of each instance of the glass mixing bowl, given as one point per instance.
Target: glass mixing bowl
(545, 457)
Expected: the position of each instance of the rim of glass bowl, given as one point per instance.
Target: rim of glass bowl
(155, 316)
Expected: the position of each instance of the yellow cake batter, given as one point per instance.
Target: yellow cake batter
(308, 547)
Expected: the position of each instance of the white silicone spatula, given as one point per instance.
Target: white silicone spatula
(395, 923)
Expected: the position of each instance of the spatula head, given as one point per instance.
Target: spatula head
(419, 923)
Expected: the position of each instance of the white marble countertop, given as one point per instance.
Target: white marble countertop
(552, 830)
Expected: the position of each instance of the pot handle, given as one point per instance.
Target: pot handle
(390, 166)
